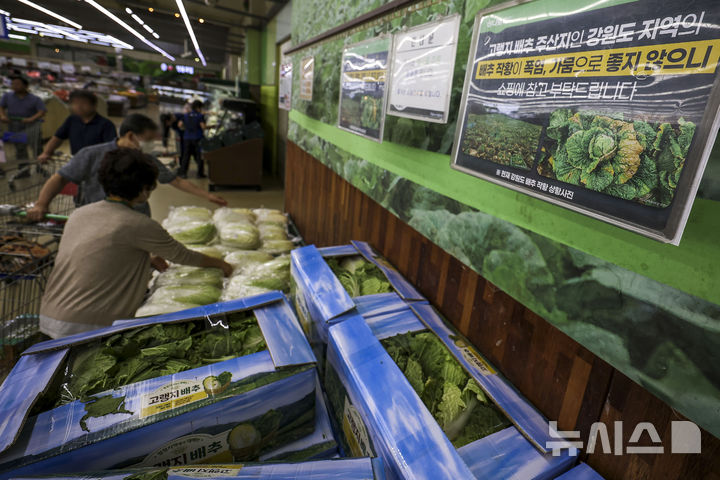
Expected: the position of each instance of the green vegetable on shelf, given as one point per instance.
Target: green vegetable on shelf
(455, 400)
(358, 276)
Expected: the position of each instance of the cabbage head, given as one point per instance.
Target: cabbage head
(191, 294)
(277, 247)
(271, 231)
(158, 308)
(240, 235)
(188, 214)
(242, 259)
(186, 275)
(195, 232)
(210, 251)
(225, 215)
(237, 287)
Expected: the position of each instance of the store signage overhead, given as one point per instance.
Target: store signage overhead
(604, 107)
(363, 87)
(422, 71)
(185, 69)
(307, 73)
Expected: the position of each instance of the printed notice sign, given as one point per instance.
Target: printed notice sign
(422, 71)
(363, 86)
(604, 107)
(307, 73)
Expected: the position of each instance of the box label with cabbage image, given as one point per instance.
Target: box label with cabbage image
(607, 108)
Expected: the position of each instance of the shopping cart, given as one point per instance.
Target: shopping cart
(27, 252)
(25, 264)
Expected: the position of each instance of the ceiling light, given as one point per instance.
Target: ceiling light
(104, 44)
(17, 37)
(177, 15)
(155, 35)
(151, 9)
(127, 27)
(190, 30)
(23, 30)
(147, 27)
(127, 9)
(3, 12)
(52, 28)
(201, 20)
(137, 19)
(50, 12)
(57, 50)
(197, 59)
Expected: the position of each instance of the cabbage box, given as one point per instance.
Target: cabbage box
(226, 382)
(406, 387)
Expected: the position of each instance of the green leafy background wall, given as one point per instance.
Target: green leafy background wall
(650, 310)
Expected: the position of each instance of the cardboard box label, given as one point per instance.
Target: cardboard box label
(190, 449)
(355, 432)
(213, 471)
(472, 357)
(172, 395)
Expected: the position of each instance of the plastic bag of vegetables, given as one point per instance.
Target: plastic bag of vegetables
(186, 275)
(277, 247)
(238, 288)
(190, 294)
(225, 215)
(240, 235)
(158, 308)
(188, 214)
(273, 275)
(266, 216)
(242, 259)
(209, 250)
(271, 231)
(193, 232)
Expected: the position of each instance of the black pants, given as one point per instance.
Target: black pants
(191, 147)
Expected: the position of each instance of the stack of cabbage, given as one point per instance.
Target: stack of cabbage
(255, 242)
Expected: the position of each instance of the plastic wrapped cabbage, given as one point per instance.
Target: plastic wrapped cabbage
(242, 259)
(151, 309)
(209, 250)
(225, 215)
(193, 232)
(189, 294)
(238, 288)
(271, 231)
(240, 235)
(273, 275)
(277, 247)
(269, 216)
(186, 275)
(188, 214)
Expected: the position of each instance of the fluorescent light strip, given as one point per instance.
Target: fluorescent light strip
(52, 28)
(17, 37)
(184, 14)
(155, 35)
(3, 12)
(149, 30)
(137, 19)
(51, 13)
(116, 41)
(23, 30)
(127, 27)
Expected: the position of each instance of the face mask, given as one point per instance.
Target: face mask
(147, 146)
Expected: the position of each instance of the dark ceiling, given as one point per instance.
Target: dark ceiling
(223, 30)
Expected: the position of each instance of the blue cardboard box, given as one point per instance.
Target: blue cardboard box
(581, 472)
(378, 412)
(265, 400)
(341, 469)
(322, 301)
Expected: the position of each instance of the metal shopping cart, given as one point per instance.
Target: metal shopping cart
(27, 252)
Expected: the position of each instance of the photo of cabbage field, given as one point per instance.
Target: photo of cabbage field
(501, 139)
(633, 160)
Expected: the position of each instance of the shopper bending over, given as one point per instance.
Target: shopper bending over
(192, 124)
(84, 127)
(102, 266)
(136, 131)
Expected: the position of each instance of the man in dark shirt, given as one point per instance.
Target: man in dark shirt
(84, 127)
(193, 124)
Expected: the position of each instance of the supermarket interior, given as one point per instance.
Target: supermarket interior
(359, 239)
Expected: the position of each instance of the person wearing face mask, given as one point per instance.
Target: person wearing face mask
(136, 131)
(102, 266)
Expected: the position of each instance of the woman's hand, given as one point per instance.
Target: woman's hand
(158, 263)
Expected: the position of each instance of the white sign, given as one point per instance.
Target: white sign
(68, 68)
(285, 86)
(422, 71)
(307, 73)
